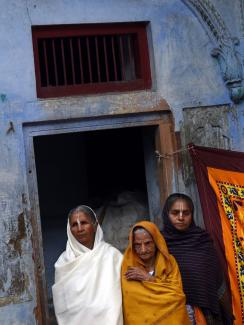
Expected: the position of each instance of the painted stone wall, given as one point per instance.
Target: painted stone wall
(197, 52)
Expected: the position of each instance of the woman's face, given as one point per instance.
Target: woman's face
(83, 229)
(144, 245)
(180, 215)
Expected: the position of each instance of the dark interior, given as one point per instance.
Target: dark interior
(83, 168)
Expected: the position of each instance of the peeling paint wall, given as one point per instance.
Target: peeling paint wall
(184, 75)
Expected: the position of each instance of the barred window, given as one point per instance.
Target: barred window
(90, 58)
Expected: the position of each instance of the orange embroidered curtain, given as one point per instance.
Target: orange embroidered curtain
(220, 179)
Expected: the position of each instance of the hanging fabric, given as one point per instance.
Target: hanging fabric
(220, 179)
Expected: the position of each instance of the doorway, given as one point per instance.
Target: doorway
(111, 170)
(60, 156)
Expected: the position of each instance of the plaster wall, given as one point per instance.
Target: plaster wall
(184, 42)
(184, 74)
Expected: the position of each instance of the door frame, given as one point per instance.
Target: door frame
(164, 143)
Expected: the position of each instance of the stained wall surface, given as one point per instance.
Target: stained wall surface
(196, 55)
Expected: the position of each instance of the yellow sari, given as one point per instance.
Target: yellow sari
(161, 302)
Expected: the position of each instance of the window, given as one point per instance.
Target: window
(90, 58)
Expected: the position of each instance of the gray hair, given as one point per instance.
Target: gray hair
(140, 229)
(86, 210)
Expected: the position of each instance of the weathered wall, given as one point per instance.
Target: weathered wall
(184, 74)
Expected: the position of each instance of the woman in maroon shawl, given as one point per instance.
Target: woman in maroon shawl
(206, 296)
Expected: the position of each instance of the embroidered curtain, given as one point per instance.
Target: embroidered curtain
(220, 179)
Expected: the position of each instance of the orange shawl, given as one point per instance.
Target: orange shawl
(161, 302)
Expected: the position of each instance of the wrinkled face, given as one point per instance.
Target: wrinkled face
(83, 229)
(144, 245)
(180, 215)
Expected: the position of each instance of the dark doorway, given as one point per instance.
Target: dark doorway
(85, 168)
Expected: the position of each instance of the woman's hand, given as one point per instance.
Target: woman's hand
(138, 274)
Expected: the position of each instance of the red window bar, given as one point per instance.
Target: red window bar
(90, 58)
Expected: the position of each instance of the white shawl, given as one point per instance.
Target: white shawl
(87, 283)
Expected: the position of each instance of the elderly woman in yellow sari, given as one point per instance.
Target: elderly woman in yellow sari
(151, 281)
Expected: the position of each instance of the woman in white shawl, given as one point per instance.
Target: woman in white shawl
(87, 275)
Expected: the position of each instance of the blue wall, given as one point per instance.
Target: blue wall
(184, 74)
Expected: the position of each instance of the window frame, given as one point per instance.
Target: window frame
(51, 31)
